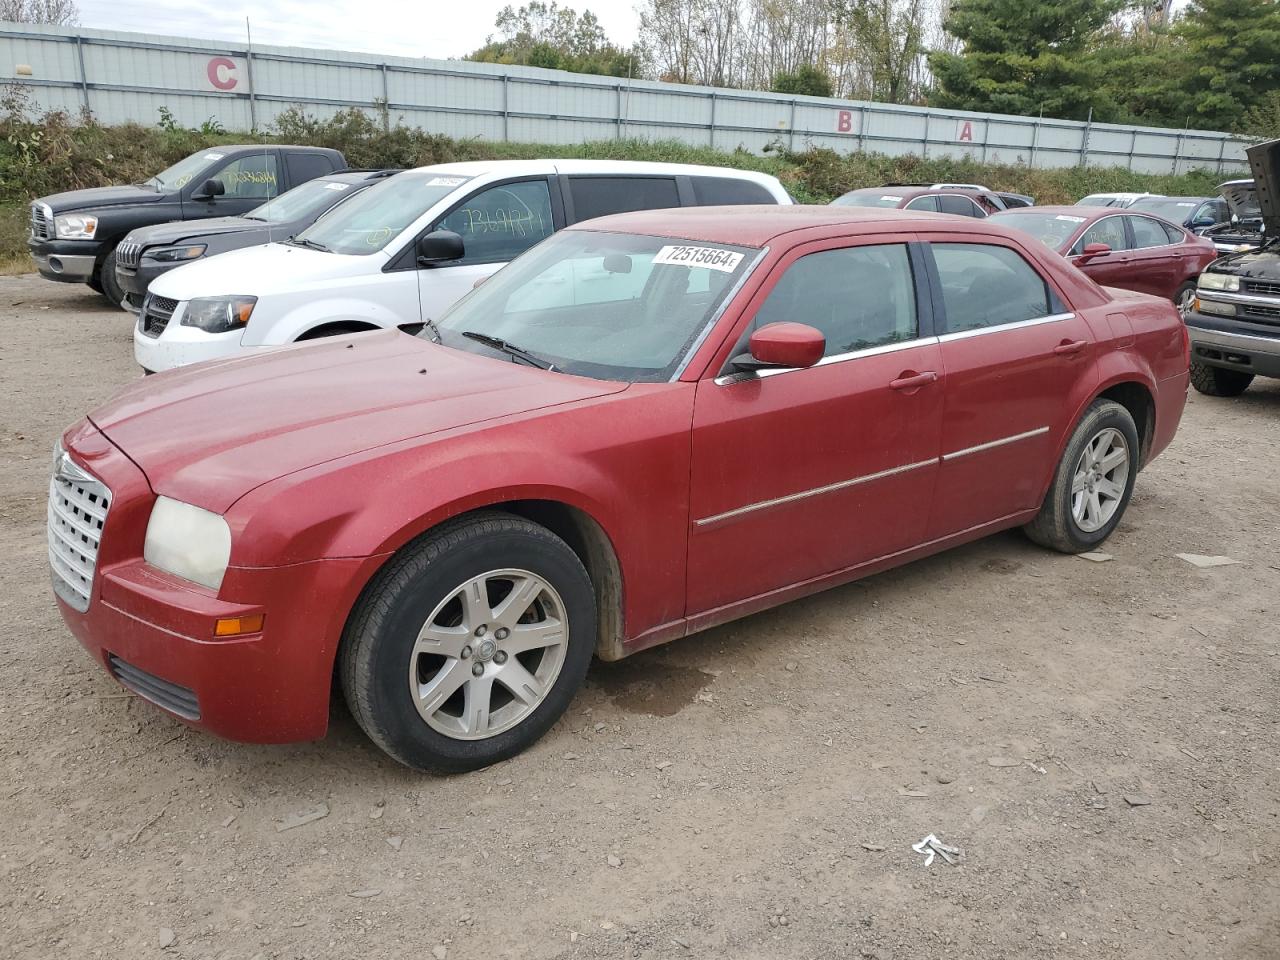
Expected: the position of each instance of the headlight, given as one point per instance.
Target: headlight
(1218, 281)
(218, 314)
(174, 254)
(75, 226)
(188, 542)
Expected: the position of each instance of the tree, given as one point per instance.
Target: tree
(888, 35)
(1233, 48)
(1022, 56)
(558, 38)
(60, 12)
(807, 81)
(693, 41)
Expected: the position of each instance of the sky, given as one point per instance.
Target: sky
(425, 28)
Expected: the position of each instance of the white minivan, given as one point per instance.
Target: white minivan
(401, 252)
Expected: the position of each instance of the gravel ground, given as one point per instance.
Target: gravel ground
(750, 792)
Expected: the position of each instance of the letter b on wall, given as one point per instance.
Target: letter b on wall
(222, 73)
(844, 121)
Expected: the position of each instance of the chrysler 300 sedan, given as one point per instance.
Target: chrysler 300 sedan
(647, 425)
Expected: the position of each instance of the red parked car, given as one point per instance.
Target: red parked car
(645, 426)
(1121, 248)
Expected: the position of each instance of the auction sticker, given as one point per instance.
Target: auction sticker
(712, 258)
(891, 199)
(336, 186)
(1063, 216)
(445, 181)
(214, 156)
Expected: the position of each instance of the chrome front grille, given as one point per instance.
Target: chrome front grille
(41, 228)
(155, 315)
(129, 254)
(1256, 311)
(1264, 288)
(78, 505)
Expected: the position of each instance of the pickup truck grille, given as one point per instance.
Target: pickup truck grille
(129, 255)
(155, 315)
(41, 228)
(78, 505)
(1256, 311)
(1264, 288)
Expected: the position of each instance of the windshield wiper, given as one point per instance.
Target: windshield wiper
(308, 242)
(518, 353)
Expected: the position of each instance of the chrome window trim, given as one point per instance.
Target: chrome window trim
(992, 444)
(730, 295)
(746, 375)
(1073, 252)
(1016, 325)
(813, 492)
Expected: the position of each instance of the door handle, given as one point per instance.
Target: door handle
(913, 381)
(1069, 348)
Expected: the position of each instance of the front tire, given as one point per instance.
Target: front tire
(1093, 482)
(108, 285)
(1217, 381)
(1184, 297)
(470, 644)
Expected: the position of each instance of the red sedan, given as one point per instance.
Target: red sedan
(645, 426)
(1120, 248)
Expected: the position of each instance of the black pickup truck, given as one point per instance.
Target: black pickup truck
(74, 235)
(1234, 321)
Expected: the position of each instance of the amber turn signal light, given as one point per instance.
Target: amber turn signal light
(237, 626)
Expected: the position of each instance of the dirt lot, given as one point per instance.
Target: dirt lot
(751, 792)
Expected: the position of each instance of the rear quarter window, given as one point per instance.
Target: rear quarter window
(307, 166)
(724, 191)
(600, 196)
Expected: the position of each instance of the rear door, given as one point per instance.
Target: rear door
(1156, 265)
(1012, 353)
(801, 473)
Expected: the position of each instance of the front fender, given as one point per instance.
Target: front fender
(311, 313)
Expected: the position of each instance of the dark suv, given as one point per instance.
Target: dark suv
(1234, 320)
(74, 234)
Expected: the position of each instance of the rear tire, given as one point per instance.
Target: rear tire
(108, 286)
(1219, 382)
(470, 644)
(1093, 482)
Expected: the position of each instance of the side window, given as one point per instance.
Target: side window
(1148, 233)
(951, 203)
(858, 297)
(500, 223)
(1108, 230)
(306, 166)
(601, 196)
(1174, 233)
(984, 285)
(928, 203)
(253, 176)
(721, 191)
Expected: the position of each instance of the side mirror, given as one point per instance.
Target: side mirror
(783, 345)
(439, 246)
(210, 189)
(1092, 251)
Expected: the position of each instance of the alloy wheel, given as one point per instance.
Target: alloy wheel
(1100, 478)
(488, 654)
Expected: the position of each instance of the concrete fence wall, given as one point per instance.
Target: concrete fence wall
(129, 77)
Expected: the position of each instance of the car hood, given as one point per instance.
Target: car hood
(210, 433)
(1264, 160)
(1242, 198)
(95, 197)
(180, 230)
(1259, 264)
(262, 271)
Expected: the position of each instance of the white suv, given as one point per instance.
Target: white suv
(401, 252)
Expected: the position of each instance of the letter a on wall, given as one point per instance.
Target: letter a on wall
(966, 132)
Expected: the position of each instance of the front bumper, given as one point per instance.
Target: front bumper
(67, 261)
(154, 632)
(178, 346)
(1248, 351)
(137, 281)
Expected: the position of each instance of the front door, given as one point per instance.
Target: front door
(800, 473)
(497, 223)
(1013, 356)
(1109, 269)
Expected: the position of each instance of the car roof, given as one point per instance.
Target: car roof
(756, 226)
(357, 176)
(1082, 214)
(1175, 199)
(512, 168)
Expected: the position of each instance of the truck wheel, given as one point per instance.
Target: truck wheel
(1093, 482)
(1217, 381)
(470, 644)
(108, 286)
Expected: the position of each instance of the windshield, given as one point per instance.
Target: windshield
(613, 306)
(867, 199)
(374, 217)
(1051, 229)
(303, 203)
(1100, 200)
(1171, 208)
(184, 171)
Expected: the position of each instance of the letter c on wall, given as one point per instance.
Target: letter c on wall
(222, 73)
